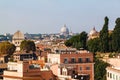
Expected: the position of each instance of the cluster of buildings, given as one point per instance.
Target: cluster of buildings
(52, 60)
(72, 65)
(64, 33)
(24, 66)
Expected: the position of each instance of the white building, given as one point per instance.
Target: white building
(113, 72)
(21, 70)
(55, 60)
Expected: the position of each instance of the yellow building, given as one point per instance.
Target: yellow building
(93, 34)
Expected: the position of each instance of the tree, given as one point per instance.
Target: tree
(93, 45)
(77, 41)
(27, 46)
(116, 36)
(104, 37)
(7, 48)
(110, 42)
(100, 69)
(83, 39)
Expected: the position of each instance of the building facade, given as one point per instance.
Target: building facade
(18, 56)
(21, 70)
(27, 70)
(75, 65)
(113, 71)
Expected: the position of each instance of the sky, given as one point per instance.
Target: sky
(49, 16)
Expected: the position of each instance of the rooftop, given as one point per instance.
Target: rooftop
(113, 69)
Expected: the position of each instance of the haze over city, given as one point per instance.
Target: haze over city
(48, 16)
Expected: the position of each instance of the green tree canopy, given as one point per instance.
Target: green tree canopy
(93, 45)
(27, 45)
(7, 48)
(104, 37)
(116, 36)
(110, 42)
(100, 69)
(77, 41)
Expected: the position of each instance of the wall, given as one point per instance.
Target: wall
(12, 73)
(54, 58)
(82, 64)
(112, 74)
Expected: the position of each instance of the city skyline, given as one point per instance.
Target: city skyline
(49, 16)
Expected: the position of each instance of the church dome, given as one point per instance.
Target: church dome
(64, 30)
(93, 32)
(18, 35)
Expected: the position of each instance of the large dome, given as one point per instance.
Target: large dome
(93, 32)
(64, 30)
(18, 35)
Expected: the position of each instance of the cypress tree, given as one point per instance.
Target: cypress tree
(116, 36)
(83, 40)
(104, 37)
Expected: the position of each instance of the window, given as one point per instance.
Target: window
(64, 71)
(116, 77)
(87, 59)
(73, 60)
(15, 42)
(57, 51)
(80, 60)
(80, 68)
(49, 60)
(65, 60)
(1, 61)
(87, 68)
(113, 76)
(110, 75)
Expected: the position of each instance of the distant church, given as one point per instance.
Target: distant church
(17, 38)
(93, 34)
(65, 31)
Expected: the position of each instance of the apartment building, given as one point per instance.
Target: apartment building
(72, 65)
(113, 71)
(27, 70)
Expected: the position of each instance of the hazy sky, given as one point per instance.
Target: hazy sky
(48, 16)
